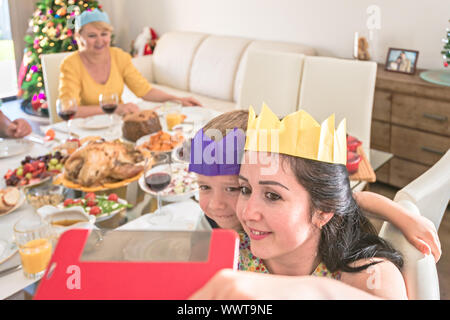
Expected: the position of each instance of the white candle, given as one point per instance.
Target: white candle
(355, 46)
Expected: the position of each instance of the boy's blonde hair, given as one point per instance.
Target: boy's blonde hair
(228, 121)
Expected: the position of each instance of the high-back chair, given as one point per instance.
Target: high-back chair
(271, 77)
(50, 71)
(343, 87)
(427, 195)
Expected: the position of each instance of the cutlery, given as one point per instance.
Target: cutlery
(10, 270)
(35, 139)
(65, 132)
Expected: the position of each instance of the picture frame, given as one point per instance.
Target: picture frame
(401, 60)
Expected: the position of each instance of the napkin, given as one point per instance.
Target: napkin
(180, 216)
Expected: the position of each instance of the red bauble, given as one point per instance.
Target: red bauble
(445, 64)
(147, 50)
(36, 104)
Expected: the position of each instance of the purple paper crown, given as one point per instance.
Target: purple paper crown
(217, 158)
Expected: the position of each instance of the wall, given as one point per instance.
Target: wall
(20, 12)
(327, 25)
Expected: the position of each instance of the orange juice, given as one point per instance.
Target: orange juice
(173, 119)
(35, 255)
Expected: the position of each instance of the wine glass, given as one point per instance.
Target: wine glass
(109, 102)
(158, 176)
(66, 109)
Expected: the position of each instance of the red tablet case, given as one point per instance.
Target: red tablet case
(108, 280)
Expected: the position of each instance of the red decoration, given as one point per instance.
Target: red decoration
(22, 73)
(153, 33)
(445, 64)
(36, 104)
(147, 50)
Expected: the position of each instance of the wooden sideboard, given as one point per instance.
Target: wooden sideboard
(410, 119)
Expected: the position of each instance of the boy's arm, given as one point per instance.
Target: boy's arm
(419, 231)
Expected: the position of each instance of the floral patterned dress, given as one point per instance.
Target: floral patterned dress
(248, 262)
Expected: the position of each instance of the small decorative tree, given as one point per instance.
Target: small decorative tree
(51, 30)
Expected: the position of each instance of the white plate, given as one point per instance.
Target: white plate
(19, 203)
(7, 249)
(14, 147)
(146, 138)
(102, 217)
(168, 196)
(100, 121)
(199, 115)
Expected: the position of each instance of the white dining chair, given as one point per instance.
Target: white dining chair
(343, 87)
(271, 77)
(429, 196)
(50, 71)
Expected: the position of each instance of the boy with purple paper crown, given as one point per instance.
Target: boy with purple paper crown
(215, 155)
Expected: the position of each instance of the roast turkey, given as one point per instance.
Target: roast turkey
(102, 162)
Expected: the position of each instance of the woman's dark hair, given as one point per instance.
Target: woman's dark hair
(348, 236)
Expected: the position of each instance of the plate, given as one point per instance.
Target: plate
(97, 122)
(145, 139)
(199, 115)
(180, 177)
(104, 216)
(14, 147)
(19, 203)
(7, 249)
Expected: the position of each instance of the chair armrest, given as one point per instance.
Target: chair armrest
(419, 270)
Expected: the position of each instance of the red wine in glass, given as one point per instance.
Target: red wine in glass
(158, 181)
(109, 108)
(67, 115)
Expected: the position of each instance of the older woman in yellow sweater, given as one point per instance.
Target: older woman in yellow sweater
(97, 68)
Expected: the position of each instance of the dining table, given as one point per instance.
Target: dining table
(141, 216)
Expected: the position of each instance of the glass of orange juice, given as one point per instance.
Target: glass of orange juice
(34, 238)
(172, 113)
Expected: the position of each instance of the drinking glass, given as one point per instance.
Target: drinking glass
(66, 109)
(172, 114)
(158, 176)
(109, 102)
(34, 238)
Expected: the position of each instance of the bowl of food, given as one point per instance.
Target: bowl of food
(46, 194)
(101, 206)
(160, 142)
(62, 219)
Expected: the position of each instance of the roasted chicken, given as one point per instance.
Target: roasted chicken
(102, 162)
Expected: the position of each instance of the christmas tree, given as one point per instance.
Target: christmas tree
(52, 29)
(446, 51)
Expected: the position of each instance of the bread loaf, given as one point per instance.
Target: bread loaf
(136, 125)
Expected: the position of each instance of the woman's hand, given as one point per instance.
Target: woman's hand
(18, 128)
(422, 234)
(125, 108)
(189, 101)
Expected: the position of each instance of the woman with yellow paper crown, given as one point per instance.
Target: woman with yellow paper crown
(97, 68)
(300, 214)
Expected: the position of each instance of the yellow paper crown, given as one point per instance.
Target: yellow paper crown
(298, 134)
